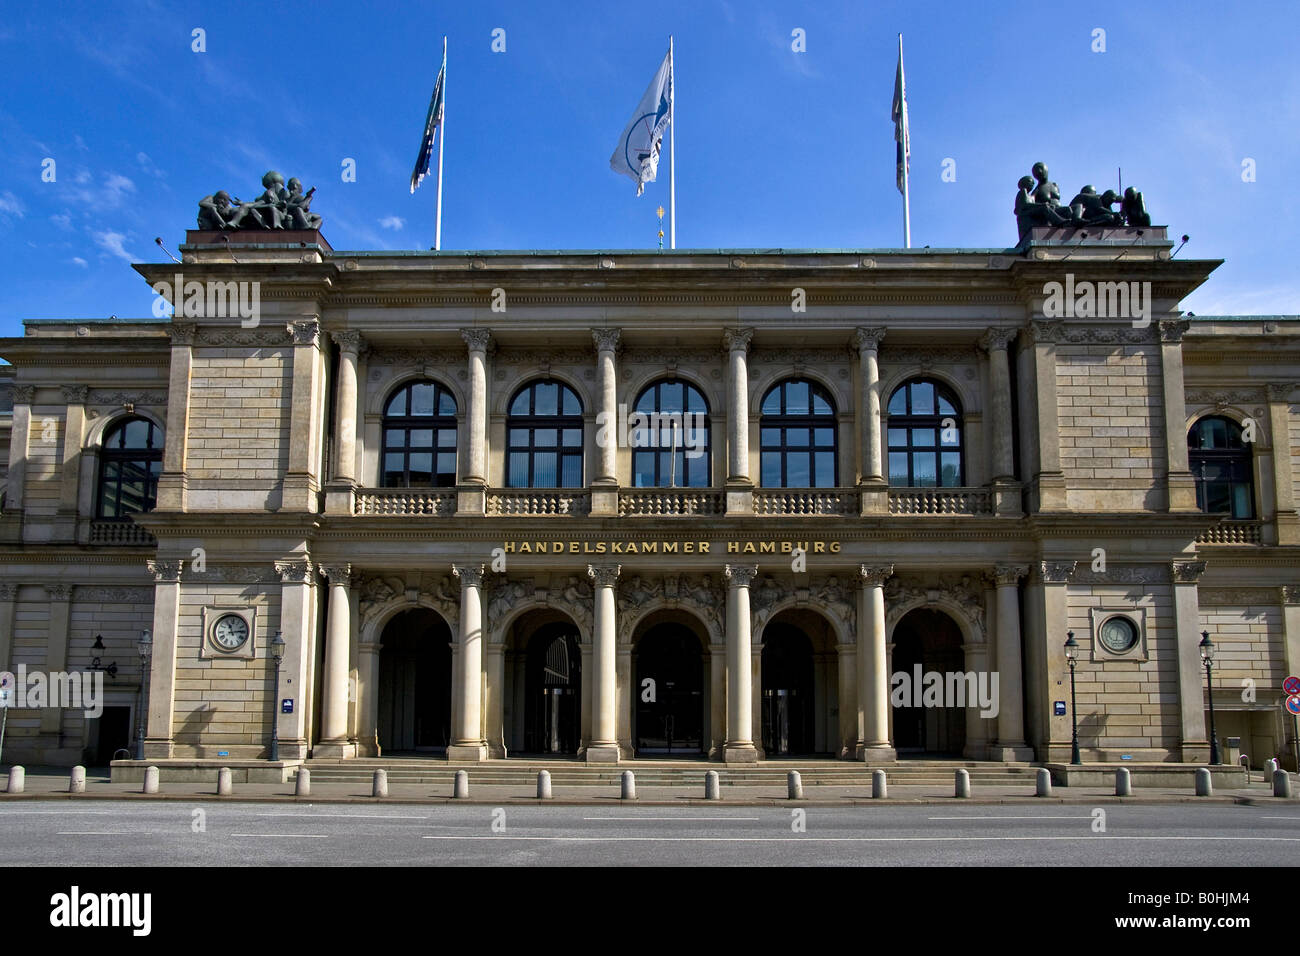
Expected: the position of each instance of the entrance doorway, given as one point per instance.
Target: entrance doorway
(787, 691)
(554, 679)
(113, 733)
(415, 682)
(926, 641)
(669, 689)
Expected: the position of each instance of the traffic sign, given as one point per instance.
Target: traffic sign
(1291, 686)
(1293, 704)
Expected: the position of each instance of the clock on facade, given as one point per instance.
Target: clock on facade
(1119, 635)
(230, 632)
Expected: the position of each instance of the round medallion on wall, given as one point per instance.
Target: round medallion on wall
(1119, 635)
(230, 632)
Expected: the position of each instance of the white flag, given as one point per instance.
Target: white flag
(637, 153)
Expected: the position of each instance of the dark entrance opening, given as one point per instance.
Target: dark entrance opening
(672, 720)
(931, 641)
(415, 682)
(554, 679)
(112, 734)
(787, 691)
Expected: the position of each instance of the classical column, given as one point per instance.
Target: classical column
(740, 490)
(717, 701)
(873, 744)
(1046, 623)
(1041, 448)
(471, 498)
(1006, 492)
(11, 521)
(603, 747)
(301, 480)
(626, 696)
(1011, 721)
(1181, 487)
(1290, 599)
(1191, 672)
(338, 643)
(846, 747)
(162, 663)
(74, 434)
(494, 704)
(341, 494)
(604, 487)
(1279, 418)
(173, 482)
(297, 601)
(873, 487)
(467, 730)
(739, 746)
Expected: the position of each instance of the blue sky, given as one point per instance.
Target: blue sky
(776, 149)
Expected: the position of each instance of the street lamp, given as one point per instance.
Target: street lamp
(96, 661)
(145, 647)
(1207, 656)
(277, 654)
(1071, 656)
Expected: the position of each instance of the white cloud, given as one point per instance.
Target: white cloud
(116, 186)
(111, 242)
(11, 205)
(82, 177)
(148, 166)
(63, 220)
(80, 261)
(392, 222)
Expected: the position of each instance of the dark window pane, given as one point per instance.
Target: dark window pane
(572, 477)
(898, 468)
(137, 434)
(573, 437)
(520, 405)
(446, 438)
(771, 469)
(394, 471)
(797, 470)
(422, 399)
(824, 437)
(922, 398)
(695, 400)
(447, 463)
(421, 468)
(824, 476)
(571, 404)
(951, 462)
(923, 437)
(544, 469)
(670, 397)
(518, 474)
(770, 437)
(898, 438)
(446, 403)
(397, 404)
(544, 437)
(945, 407)
(1241, 501)
(797, 437)
(821, 406)
(796, 398)
(898, 402)
(420, 438)
(923, 470)
(772, 402)
(643, 469)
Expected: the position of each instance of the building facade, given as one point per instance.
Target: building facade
(729, 504)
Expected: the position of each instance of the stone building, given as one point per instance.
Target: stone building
(418, 469)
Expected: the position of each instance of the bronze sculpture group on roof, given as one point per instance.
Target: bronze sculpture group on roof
(277, 208)
(1038, 203)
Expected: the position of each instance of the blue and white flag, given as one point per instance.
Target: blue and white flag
(637, 153)
(431, 124)
(899, 113)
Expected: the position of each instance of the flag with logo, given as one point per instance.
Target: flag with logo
(431, 124)
(904, 149)
(637, 153)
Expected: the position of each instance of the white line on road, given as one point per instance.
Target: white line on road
(1076, 817)
(809, 839)
(102, 832)
(301, 836)
(103, 813)
(685, 819)
(350, 816)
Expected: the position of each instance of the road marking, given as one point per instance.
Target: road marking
(102, 832)
(350, 816)
(300, 836)
(809, 839)
(1012, 818)
(56, 813)
(685, 819)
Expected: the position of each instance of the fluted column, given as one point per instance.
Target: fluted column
(471, 496)
(1011, 721)
(739, 746)
(604, 487)
(340, 492)
(338, 646)
(873, 487)
(1006, 493)
(740, 489)
(874, 745)
(467, 730)
(603, 747)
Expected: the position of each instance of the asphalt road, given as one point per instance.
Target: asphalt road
(112, 833)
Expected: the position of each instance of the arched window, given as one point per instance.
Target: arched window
(797, 436)
(544, 437)
(1221, 464)
(925, 440)
(670, 435)
(419, 437)
(129, 465)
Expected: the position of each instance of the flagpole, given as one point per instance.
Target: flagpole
(907, 202)
(672, 149)
(442, 138)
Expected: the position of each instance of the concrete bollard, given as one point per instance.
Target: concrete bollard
(794, 785)
(379, 784)
(543, 785)
(1270, 766)
(711, 788)
(460, 790)
(1281, 783)
(17, 778)
(225, 782)
(879, 785)
(1204, 788)
(1123, 782)
(150, 780)
(302, 786)
(629, 785)
(962, 783)
(1043, 784)
(77, 780)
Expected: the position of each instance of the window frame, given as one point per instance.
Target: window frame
(910, 421)
(1242, 455)
(533, 423)
(436, 422)
(656, 453)
(150, 454)
(812, 421)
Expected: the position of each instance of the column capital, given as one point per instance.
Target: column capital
(305, 331)
(59, 592)
(1171, 330)
(1278, 391)
(737, 339)
(868, 340)
(996, 339)
(1187, 572)
(166, 572)
(75, 394)
(1006, 575)
(875, 575)
(294, 572)
(470, 575)
(23, 394)
(477, 340)
(604, 574)
(348, 341)
(1046, 331)
(8, 592)
(1055, 572)
(739, 575)
(1290, 594)
(182, 333)
(606, 340)
(340, 575)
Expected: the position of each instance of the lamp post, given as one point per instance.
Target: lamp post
(145, 647)
(1071, 657)
(277, 654)
(96, 661)
(1207, 656)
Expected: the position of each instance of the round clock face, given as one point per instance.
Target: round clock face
(1119, 635)
(231, 632)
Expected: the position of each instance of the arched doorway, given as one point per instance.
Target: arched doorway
(788, 720)
(927, 642)
(415, 682)
(553, 679)
(668, 715)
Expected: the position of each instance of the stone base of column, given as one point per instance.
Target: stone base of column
(293, 749)
(173, 492)
(341, 497)
(158, 748)
(1196, 751)
(333, 748)
(740, 753)
(876, 754)
(604, 500)
(1288, 528)
(602, 753)
(740, 499)
(873, 498)
(1011, 753)
(64, 527)
(1048, 492)
(467, 753)
(1182, 491)
(471, 499)
(1008, 498)
(300, 493)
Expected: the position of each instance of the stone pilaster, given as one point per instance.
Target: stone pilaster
(340, 494)
(467, 716)
(11, 521)
(603, 747)
(173, 483)
(334, 740)
(8, 598)
(739, 746)
(1046, 615)
(1041, 451)
(1006, 491)
(873, 486)
(158, 741)
(1290, 598)
(297, 599)
(846, 662)
(56, 656)
(1279, 417)
(873, 744)
(301, 480)
(74, 436)
(1011, 723)
(740, 488)
(471, 497)
(1179, 483)
(604, 487)
(1191, 672)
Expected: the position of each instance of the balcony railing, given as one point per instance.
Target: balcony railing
(406, 502)
(125, 533)
(1233, 532)
(670, 501)
(833, 501)
(939, 501)
(538, 502)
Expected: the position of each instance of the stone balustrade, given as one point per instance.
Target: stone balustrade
(406, 502)
(939, 501)
(833, 501)
(532, 501)
(670, 501)
(120, 533)
(1233, 532)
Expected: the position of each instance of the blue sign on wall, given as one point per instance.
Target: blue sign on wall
(286, 706)
(1058, 707)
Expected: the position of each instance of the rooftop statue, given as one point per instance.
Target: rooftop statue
(276, 208)
(1038, 203)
